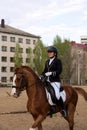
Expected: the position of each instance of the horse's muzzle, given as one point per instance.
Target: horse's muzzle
(16, 95)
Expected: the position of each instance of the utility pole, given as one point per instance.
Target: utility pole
(78, 63)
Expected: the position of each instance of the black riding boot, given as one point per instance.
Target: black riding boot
(63, 111)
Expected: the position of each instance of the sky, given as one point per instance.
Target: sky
(47, 18)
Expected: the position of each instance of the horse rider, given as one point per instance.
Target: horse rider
(52, 70)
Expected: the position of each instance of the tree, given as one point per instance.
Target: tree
(18, 60)
(29, 60)
(64, 53)
(40, 55)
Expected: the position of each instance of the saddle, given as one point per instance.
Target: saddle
(50, 89)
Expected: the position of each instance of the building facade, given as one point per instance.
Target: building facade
(84, 39)
(9, 36)
(79, 54)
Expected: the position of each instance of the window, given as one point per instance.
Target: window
(3, 79)
(4, 48)
(20, 40)
(34, 41)
(11, 59)
(28, 50)
(12, 49)
(4, 38)
(83, 38)
(28, 41)
(3, 59)
(3, 69)
(11, 79)
(21, 50)
(27, 60)
(12, 39)
(11, 69)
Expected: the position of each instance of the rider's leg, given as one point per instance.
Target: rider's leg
(63, 111)
(56, 86)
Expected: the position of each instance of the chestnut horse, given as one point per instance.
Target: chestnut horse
(37, 105)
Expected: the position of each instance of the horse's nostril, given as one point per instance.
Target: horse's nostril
(13, 91)
(16, 95)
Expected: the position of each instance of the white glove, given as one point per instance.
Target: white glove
(48, 73)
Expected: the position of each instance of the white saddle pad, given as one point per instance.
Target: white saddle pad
(62, 94)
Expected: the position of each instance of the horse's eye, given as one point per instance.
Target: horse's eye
(18, 78)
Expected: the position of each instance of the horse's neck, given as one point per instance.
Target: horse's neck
(35, 90)
(31, 90)
(34, 85)
(31, 85)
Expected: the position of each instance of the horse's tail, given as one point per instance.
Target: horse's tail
(82, 92)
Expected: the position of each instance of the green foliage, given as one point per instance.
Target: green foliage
(18, 60)
(40, 56)
(64, 53)
(29, 59)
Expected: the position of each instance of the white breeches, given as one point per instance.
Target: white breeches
(56, 86)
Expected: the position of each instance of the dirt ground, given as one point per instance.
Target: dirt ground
(23, 121)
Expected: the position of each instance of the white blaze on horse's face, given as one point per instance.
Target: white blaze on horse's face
(13, 91)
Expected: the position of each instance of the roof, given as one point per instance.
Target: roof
(79, 45)
(15, 31)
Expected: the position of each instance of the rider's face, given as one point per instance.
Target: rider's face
(51, 54)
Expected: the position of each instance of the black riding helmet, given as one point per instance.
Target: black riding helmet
(52, 49)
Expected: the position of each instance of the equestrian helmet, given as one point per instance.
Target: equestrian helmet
(52, 49)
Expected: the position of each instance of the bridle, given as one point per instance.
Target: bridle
(22, 80)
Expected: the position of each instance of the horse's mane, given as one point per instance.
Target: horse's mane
(30, 70)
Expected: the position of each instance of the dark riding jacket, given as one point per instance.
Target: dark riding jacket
(55, 67)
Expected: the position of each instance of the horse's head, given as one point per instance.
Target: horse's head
(19, 82)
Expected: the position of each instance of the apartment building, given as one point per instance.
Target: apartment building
(9, 36)
(83, 39)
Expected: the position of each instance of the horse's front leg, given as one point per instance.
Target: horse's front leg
(37, 123)
(40, 126)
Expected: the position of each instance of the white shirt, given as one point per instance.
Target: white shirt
(51, 59)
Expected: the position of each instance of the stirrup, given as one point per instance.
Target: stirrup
(52, 111)
(63, 112)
